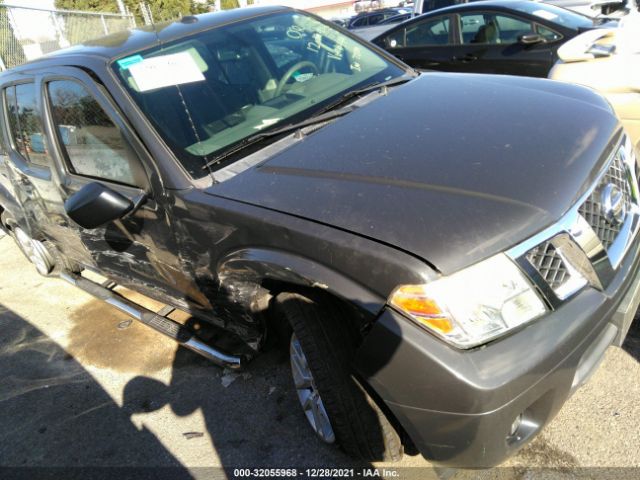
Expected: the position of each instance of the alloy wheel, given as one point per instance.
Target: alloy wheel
(308, 394)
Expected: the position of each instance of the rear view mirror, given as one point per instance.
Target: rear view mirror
(94, 205)
(530, 39)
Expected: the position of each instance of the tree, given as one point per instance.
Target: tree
(169, 9)
(229, 4)
(88, 5)
(160, 9)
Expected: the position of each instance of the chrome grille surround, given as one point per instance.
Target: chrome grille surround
(578, 250)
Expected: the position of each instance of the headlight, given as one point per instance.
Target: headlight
(474, 305)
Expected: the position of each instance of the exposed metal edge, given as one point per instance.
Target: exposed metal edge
(161, 324)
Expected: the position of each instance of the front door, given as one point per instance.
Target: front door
(91, 142)
(489, 43)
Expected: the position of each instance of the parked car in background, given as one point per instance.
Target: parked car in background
(397, 19)
(425, 6)
(607, 60)
(367, 19)
(341, 21)
(444, 258)
(371, 32)
(515, 37)
(586, 7)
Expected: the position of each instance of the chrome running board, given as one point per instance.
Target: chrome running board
(158, 321)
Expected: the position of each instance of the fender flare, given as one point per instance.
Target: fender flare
(258, 265)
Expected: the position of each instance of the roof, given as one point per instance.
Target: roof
(128, 41)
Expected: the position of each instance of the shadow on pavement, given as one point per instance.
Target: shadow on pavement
(58, 422)
(254, 421)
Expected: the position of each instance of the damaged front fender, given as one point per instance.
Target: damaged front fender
(261, 267)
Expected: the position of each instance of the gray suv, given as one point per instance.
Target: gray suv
(445, 257)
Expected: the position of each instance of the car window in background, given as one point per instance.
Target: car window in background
(471, 24)
(24, 123)
(548, 34)
(360, 22)
(561, 16)
(489, 28)
(91, 142)
(396, 19)
(510, 28)
(429, 32)
(434, 31)
(206, 93)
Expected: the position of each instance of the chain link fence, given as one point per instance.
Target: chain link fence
(27, 33)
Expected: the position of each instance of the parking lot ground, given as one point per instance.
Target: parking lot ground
(81, 386)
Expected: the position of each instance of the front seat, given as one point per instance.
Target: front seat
(488, 33)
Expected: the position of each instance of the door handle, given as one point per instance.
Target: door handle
(465, 58)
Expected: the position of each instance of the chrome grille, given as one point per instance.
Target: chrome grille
(591, 209)
(549, 264)
(587, 245)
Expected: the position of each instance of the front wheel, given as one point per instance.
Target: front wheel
(335, 404)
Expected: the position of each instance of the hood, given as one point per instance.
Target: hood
(451, 168)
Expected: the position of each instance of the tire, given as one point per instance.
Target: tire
(35, 251)
(323, 330)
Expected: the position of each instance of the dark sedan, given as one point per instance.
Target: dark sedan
(508, 37)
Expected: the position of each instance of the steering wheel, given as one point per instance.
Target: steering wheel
(289, 73)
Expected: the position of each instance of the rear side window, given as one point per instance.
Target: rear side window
(92, 144)
(433, 31)
(429, 32)
(24, 123)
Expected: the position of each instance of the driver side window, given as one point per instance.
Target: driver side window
(491, 28)
(92, 144)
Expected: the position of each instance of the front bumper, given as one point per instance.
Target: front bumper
(458, 406)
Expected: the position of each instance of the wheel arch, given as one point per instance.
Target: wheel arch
(278, 271)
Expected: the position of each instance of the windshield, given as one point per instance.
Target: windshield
(209, 91)
(554, 14)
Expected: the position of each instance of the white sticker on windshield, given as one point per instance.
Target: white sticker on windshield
(545, 14)
(165, 71)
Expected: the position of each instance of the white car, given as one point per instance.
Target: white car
(607, 60)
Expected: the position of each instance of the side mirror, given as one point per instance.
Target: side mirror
(530, 39)
(94, 205)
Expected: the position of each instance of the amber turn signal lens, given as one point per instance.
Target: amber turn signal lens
(442, 325)
(412, 300)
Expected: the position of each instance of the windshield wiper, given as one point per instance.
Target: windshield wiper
(327, 113)
(252, 140)
(369, 88)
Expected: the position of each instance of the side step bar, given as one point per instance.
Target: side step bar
(172, 329)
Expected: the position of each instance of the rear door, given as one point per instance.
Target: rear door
(27, 166)
(425, 44)
(489, 43)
